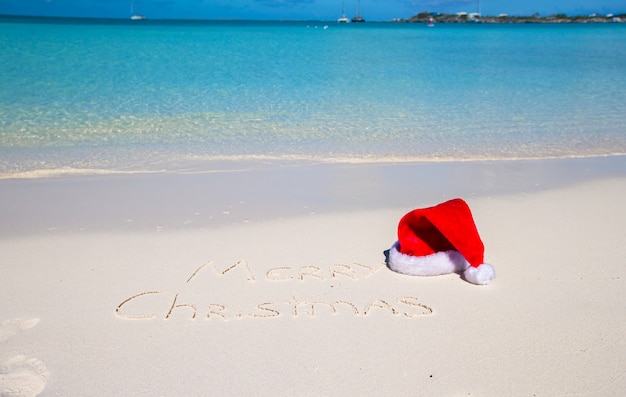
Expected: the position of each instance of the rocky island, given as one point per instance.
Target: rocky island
(469, 17)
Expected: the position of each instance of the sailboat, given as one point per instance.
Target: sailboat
(133, 16)
(344, 18)
(358, 17)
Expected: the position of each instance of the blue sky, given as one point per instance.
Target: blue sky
(300, 9)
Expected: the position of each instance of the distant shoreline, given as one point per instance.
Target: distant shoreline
(419, 18)
(464, 17)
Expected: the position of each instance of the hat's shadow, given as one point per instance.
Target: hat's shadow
(386, 253)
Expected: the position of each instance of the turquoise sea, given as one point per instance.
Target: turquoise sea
(111, 96)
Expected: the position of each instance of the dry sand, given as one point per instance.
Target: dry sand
(272, 282)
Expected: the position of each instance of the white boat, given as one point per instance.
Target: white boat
(344, 18)
(133, 16)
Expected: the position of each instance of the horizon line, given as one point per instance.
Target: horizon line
(288, 19)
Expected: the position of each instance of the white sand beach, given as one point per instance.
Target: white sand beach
(272, 282)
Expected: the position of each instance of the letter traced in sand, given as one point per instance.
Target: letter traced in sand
(118, 310)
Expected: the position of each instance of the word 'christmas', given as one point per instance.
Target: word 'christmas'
(154, 304)
(406, 306)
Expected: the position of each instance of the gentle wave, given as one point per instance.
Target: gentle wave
(220, 164)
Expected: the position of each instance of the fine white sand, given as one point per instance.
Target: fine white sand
(280, 288)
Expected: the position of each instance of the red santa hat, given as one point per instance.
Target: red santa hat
(440, 240)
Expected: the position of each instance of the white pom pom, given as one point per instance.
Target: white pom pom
(481, 275)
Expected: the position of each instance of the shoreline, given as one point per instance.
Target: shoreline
(247, 163)
(162, 201)
(217, 164)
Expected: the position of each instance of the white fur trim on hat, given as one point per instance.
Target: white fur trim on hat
(481, 275)
(443, 262)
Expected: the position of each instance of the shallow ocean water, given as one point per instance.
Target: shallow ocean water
(110, 96)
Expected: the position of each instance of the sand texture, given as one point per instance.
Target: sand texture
(300, 302)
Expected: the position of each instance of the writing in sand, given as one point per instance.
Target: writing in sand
(236, 292)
